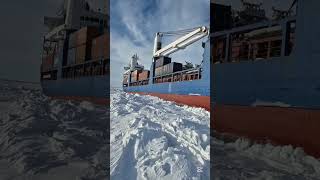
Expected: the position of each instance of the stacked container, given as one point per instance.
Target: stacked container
(171, 68)
(158, 71)
(168, 69)
(47, 62)
(162, 61)
(100, 47)
(135, 75)
(80, 43)
(143, 75)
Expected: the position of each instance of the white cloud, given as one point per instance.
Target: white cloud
(167, 16)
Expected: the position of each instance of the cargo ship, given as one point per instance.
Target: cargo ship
(76, 53)
(169, 80)
(265, 77)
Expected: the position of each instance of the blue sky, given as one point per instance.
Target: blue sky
(135, 22)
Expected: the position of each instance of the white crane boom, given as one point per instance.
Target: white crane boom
(180, 43)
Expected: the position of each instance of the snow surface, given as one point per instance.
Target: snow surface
(156, 139)
(150, 138)
(48, 139)
(242, 159)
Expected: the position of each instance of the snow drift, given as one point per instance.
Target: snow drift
(150, 138)
(156, 139)
(43, 138)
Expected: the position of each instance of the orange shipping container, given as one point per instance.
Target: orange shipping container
(158, 71)
(134, 76)
(86, 35)
(82, 36)
(101, 47)
(82, 53)
(144, 75)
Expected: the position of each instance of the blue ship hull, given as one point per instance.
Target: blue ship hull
(275, 99)
(195, 87)
(86, 88)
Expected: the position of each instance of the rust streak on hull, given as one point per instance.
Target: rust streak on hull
(190, 100)
(298, 127)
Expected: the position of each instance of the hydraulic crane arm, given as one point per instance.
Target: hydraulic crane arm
(180, 43)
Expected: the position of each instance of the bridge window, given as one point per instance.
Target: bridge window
(256, 44)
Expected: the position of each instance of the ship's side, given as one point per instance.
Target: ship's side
(193, 93)
(75, 61)
(192, 87)
(276, 97)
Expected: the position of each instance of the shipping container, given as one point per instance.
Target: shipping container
(47, 62)
(144, 75)
(83, 36)
(71, 56)
(135, 75)
(83, 53)
(162, 61)
(158, 71)
(100, 47)
(86, 34)
(171, 68)
(184, 77)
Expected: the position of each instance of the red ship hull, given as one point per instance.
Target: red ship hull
(285, 126)
(190, 100)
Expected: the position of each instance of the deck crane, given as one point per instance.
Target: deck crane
(190, 37)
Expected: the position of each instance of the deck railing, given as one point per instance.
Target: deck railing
(185, 75)
(89, 68)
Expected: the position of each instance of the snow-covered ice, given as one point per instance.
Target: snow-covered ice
(156, 139)
(48, 139)
(150, 138)
(242, 159)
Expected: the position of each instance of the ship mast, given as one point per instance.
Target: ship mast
(133, 64)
